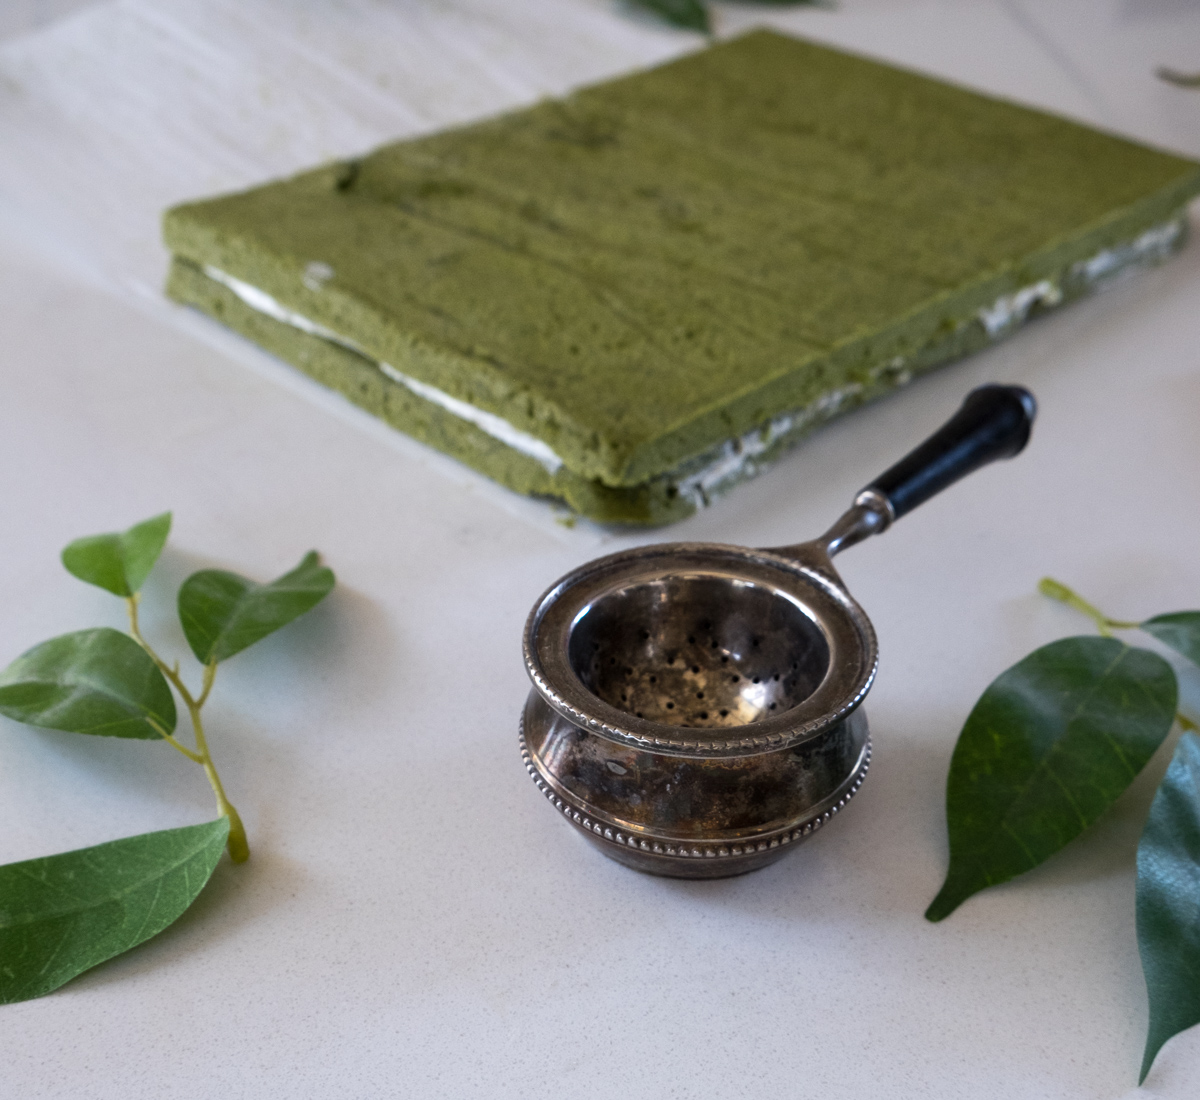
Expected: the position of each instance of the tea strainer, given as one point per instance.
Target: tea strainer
(696, 707)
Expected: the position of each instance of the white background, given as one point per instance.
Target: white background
(414, 920)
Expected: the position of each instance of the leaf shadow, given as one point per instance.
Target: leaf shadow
(1133, 11)
(114, 767)
(346, 639)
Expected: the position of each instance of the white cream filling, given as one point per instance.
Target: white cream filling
(1153, 245)
(495, 426)
(261, 301)
(1010, 310)
(736, 458)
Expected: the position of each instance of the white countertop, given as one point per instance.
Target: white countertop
(415, 921)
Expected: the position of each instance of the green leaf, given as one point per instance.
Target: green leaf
(61, 915)
(1049, 747)
(1168, 900)
(93, 681)
(223, 613)
(119, 562)
(1182, 80)
(1180, 630)
(689, 14)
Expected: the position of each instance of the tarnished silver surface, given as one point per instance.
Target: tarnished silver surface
(695, 709)
(692, 817)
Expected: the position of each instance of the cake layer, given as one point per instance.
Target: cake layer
(361, 381)
(521, 462)
(660, 270)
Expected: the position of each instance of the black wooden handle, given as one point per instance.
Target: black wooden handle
(994, 422)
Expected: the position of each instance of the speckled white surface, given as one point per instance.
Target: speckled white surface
(414, 921)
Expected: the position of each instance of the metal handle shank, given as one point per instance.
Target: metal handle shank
(994, 422)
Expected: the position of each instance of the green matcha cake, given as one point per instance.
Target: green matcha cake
(632, 298)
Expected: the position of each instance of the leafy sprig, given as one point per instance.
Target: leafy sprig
(1049, 747)
(66, 913)
(694, 15)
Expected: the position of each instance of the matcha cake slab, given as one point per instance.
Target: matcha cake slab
(632, 298)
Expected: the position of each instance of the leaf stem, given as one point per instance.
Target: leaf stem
(239, 850)
(1048, 586)
(191, 755)
(210, 674)
(170, 673)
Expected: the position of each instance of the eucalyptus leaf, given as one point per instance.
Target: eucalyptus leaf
(61, 915)
(1168, 900)
(1179, 629)
(223, 613)
(119, 562)
(691, 15)
(1048, 748)
(93, 681)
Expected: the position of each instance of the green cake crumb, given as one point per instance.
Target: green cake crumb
(633, 297)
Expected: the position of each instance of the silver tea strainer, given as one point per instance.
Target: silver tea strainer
(696, 707)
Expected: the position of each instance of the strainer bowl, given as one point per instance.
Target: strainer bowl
(694, 709)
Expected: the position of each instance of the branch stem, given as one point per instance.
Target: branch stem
(195, 757)
(1048, 586)
(239, 850)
